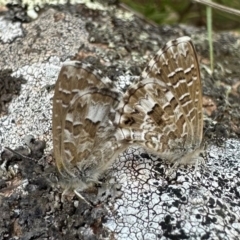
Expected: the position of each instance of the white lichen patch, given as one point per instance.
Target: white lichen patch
(9, 30)
(31, 111)
(189, 204)
(33, 5)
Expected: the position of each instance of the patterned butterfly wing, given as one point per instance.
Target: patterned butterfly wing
(177, 65)
(163, 111)
(83, 114)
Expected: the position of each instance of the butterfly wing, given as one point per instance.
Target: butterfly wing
(83, 112)
(177, 65)
(163, 111)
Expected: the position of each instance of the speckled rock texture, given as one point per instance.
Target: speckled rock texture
(189, 203)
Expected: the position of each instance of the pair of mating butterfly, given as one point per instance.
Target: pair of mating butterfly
(162, 112)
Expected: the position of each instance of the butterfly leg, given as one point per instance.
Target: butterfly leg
(81, 197)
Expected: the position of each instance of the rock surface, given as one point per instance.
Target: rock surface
(189, 204)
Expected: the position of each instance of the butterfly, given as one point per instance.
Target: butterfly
(82, 123)
(162, 112)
